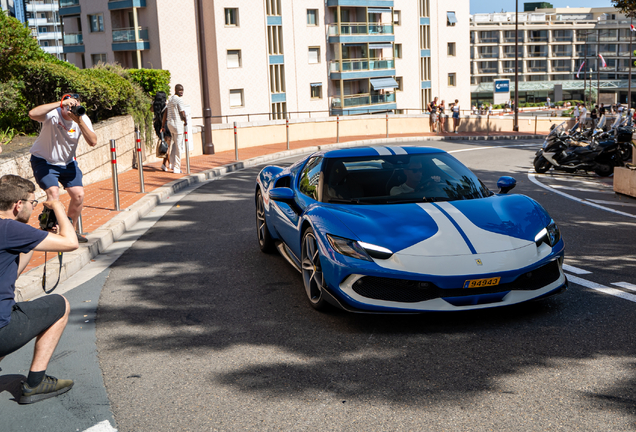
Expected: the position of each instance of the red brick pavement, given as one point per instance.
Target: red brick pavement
(99, 206)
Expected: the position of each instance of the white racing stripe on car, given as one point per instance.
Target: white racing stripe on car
(382, 151)
(397, 150)
(602, 288)
(483, 241)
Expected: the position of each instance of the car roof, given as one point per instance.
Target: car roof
(379, 150)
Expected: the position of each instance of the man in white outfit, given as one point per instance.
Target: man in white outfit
(176, 119)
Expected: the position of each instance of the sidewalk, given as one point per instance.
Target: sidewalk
(99, 202)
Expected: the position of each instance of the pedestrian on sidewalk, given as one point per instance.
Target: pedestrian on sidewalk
(42, 319)
(456, 112)
(594, 115)
(53, 153)
(583, 115)
(442, 116)
(431, 107)
(158, 107)
(174, 116)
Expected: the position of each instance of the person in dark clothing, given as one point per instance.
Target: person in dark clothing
(158, 107)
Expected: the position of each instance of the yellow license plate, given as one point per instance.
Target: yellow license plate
(480, 283)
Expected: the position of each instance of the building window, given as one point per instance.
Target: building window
(451, 79)
(236, 98)
(398, 50)
(231, 16)
(397, 17)
(316, 90)
(399, 82)
(96, 23)
(98, 58)
(42, 29)
(234, 58)
(451, 19)
(272, 7)
(312, 17)
(314, 55)
(451, 49)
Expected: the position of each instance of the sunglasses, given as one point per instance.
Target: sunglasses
(71, 96)
(33, 202)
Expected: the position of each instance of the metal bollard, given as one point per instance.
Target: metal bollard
(235, 143)
(187, 151)
(140, 166)
(113, 159)
(387, 125)
(80, 225)
(535, 125)
(488, 125)
(337, 129)
(287, 129)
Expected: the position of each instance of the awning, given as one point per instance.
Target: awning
(379, 10)
(380, 45)
(452, 19)
(383, 83)
(316, 85)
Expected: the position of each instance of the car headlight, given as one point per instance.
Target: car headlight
(550, 235)
(358, 249)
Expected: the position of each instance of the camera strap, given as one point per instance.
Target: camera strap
(59, 274)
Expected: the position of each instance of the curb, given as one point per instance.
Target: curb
(29, 285)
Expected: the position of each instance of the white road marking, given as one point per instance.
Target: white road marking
(625, 285)
(494, 147)
(532, 178)
(602, 288)
(616, 203)
(582, 189)
(575, 270)
(576, 180)
(101, 427)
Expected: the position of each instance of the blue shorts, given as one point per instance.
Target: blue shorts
(47, 175)
(455, 115)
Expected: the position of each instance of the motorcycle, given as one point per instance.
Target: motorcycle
(601, 155)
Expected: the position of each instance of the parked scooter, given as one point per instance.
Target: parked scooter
(601, 155)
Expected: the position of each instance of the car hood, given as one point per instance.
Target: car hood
(494, 224)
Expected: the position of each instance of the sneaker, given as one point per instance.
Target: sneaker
(81, 238)
(176, 171)
(163, 168)
(48, 388)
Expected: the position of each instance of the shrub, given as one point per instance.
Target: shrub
(151, 80)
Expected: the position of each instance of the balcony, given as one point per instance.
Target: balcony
(360, 29)
(490, 70)
(69, 3)
(125, 4)
(512, 39)
(562, 38)
(363, 103)
(69, 8)
(538, 54)
(49, 35)
(489, 40)
(73, 43)
(507, 54)
(538, 69)
(561, 69)
(124, 39)
(488, 55)
(41, 6)
(561, 53)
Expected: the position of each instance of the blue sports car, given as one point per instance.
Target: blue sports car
(406, 229)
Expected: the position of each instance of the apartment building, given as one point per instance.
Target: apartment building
(42, 18)
(268, 58)
(553, 44)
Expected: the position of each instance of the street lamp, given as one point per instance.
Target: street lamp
(515, 127)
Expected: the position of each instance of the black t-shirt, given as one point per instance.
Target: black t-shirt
(15, 238)
(593, 113)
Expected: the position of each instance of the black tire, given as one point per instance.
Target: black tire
(265, 240)
(541, 165)
(625, 151)
(313, 279)
(604, 170)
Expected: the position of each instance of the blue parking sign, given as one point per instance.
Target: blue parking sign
(502, 86)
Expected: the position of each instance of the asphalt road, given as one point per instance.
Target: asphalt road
(199, 330)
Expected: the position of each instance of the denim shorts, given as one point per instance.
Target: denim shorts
(47, 175)
(28, 320)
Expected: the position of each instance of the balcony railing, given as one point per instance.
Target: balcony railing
(360, 29)
(561, 69)
(487, 70)
(67, 3)
(511, 54)
(538, 39)
(351, 65)
(488, 55)
(538, 54)
(538, 69)
(488, 40)
(562, 38)
(362, 100)
(512, 39)
(128, 34)
(561, 53)
(73, 39)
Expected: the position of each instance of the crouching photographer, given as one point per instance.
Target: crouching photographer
(53, 153)
(42, 319)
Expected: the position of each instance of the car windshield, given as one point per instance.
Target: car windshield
(396, 179)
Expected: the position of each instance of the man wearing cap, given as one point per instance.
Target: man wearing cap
(53, 153)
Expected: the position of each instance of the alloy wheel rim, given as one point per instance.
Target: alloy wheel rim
(312, 271)
(260, 218)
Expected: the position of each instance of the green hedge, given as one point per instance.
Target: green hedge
(151, 80)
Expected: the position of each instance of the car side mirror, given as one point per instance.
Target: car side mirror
(282, 194)
(506, 184)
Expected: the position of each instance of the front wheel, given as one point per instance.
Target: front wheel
(604, 170)
(313, 278)
(265, 240)
(541, 165)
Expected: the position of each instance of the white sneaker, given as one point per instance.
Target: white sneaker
(176, 171)
(163, 167)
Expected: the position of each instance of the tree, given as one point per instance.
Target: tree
(628, 7)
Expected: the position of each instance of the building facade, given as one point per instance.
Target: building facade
(42, 18)
(553, 45)
(272, 57)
